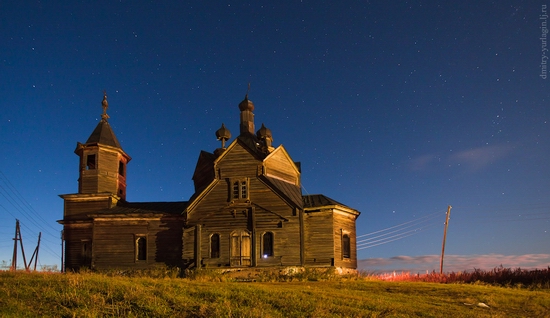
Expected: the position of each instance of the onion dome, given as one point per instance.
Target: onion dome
(223, 134)
(264, 133)
(246, 104)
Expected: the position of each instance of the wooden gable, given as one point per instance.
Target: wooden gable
(279, 165)
(204, 171)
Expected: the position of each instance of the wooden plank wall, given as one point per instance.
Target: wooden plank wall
(114, 243)
(74, 234)
(105, 177)
(279, 166)
(204, 172)
(217, 214)
(74, 209)
(319, 240)
(345, 222)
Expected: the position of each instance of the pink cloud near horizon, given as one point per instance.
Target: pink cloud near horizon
(453, 263)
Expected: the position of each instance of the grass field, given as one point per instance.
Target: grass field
(101, 295)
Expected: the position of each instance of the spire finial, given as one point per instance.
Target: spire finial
(105, 105)
(247, 91)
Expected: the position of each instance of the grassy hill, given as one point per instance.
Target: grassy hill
(101, 295)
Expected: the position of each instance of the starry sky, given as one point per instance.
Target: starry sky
(397, 109)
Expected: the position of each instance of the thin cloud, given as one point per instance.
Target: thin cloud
(473, 159)
(480, 157)
(453, 263)
(423, 162)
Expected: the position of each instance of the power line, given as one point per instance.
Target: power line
(396, 237)
(23, 201)
(397, 228)
(399, 225)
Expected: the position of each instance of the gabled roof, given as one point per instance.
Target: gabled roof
(289, 191)
(103, 134)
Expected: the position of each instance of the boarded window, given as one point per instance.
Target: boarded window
(346, 246)
(215, 246)
(90, 162)
(141, 248)
(267, 244)
(86, 252)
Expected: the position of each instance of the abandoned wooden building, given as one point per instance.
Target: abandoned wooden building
(247, 210)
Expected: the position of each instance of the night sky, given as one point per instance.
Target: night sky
(397, 109)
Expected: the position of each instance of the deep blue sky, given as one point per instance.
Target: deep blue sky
(396, 109)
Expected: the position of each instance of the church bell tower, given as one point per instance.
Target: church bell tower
(102, 168)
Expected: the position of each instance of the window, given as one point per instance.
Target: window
(267, 244)
(346, 246)
(141, 248)
(90, 162)
(215, 246)
(86, 252)
(239, 189)
(121, 168)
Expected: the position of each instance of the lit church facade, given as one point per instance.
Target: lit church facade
(247, 210)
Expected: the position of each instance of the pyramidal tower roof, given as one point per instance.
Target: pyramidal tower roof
(103, 134)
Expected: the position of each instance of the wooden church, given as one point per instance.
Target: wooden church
(247, 210)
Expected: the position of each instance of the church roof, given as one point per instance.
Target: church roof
(103, 134)
(291, 191)
(319, 200)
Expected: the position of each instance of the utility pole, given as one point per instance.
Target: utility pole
(35, 253)
(444, 238)
(15, 239)
(63, 251)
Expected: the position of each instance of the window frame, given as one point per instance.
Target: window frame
(346, 245)
(239, 189)
(86, 251)
(122, 168)
(215, 252)
(271, 249)
(140, 251)
(91, 161)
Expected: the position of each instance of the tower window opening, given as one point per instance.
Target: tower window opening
(90, 162)
(121, 168)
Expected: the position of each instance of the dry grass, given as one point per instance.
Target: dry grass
(212, 294)
(500, 276)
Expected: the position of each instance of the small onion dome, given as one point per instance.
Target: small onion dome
(223, 133)
(246, 104)
(264, 133)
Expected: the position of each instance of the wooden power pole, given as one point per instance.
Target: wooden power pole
(35, 253)
(444, 238)
(15, 239)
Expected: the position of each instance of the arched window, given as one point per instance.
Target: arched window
(346, 246)
(215, 246)
(141, 248)
(267, 244)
